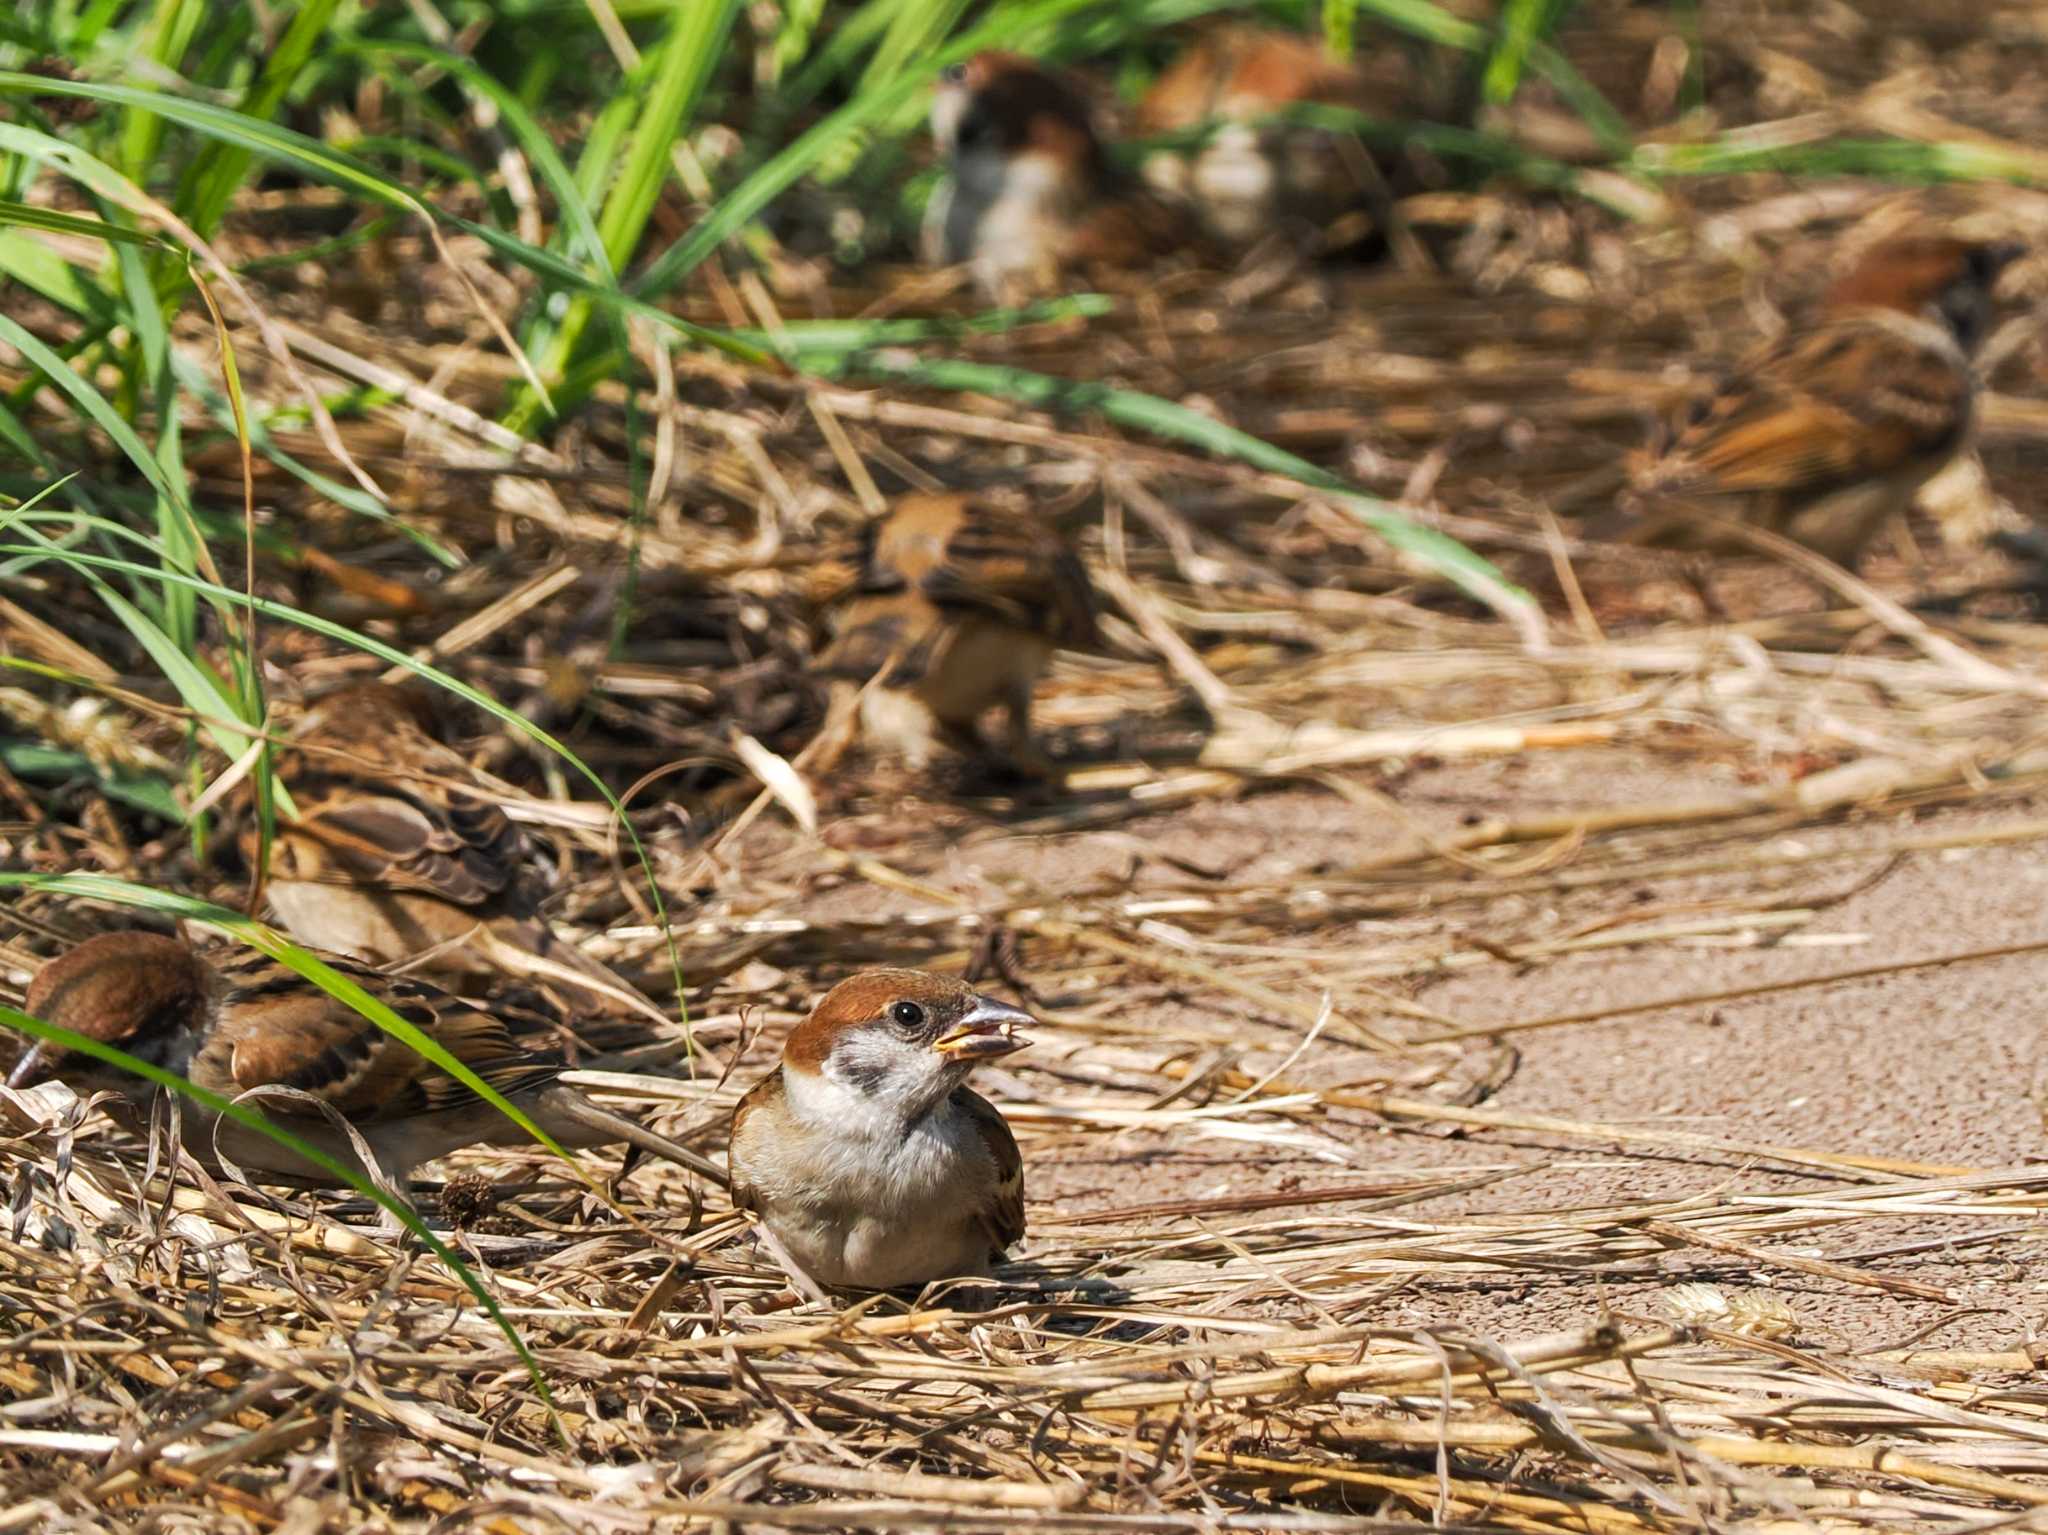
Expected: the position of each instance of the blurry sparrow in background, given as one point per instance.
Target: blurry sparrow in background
(1830, 431)
(956, 605)
(1029, 192)
(1250, 177)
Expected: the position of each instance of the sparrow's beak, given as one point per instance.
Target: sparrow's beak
(988, 1029)
(29, 1068)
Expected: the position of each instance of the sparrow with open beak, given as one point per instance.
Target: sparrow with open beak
(402, 852)
(1029, 192)
(865, 1156)
(956, 605)
(236, 1021)
(1254, 174)
(1826, 434)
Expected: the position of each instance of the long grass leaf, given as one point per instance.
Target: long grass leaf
(219, 168)
(93, 405)
(1163, 418)
(678, 68)
(304, 961)
(260, 1124)
(313, 622)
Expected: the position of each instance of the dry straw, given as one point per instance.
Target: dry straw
(1210, 1342)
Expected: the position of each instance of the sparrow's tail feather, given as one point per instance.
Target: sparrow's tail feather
(595, 1126)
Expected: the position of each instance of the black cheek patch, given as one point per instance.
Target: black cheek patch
(867, 1076)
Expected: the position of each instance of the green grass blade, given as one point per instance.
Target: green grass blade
(311, 158)
(1340, 27)
(49, 219)
(526, 131)
(1523, 24)
(34, 265)
(198, 689)
(679, 69)
(1177, 423)
(260, 1124)
(95, 407)
(219, 169)
(36, 760)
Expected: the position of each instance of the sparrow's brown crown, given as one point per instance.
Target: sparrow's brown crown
(116, 988)
(1014, 105)
(921, 1009)
(1953, 277)
(1235, 70)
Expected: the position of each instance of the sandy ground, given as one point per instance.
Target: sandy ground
(1938, 1066)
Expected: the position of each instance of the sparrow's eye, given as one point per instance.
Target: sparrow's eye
(954, 74)
(907, 1015)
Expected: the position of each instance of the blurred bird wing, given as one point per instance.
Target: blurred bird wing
(1003, 1214)
(765, 1097)
(383, 802)
(1012, 566)
(460, 847)
(278, 1029)
(1132, 229)
(1865, 396)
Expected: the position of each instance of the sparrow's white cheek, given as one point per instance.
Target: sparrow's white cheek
(949, 104)
(875, 1080)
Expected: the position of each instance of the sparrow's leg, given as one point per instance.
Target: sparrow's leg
(1026, 756)
(390, 1226)
(962, 736)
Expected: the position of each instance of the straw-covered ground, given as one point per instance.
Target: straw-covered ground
(1563, 1076)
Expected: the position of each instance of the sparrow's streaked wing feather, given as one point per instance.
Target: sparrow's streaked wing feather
(381, 803)
(460, 850)
(756, 1098)
(1004, 1213)
(278, 1030)
(1862, 396)
(1011, 565)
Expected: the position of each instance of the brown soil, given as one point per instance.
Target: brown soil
(1934, 1066)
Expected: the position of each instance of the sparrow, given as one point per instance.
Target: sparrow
(235, 1021)
(1252, 174)
(1029, 191)
(1827, 433)
(952, 604)
(401, 852)
(865, 1157)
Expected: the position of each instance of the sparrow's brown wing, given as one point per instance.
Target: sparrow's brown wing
(1007, 564)
(1131, 229)
(754, 1101)
(463, 850)
(937, 559)
(1861, 397)
(1003, 1215)
(277, 1029)
(383, 803)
